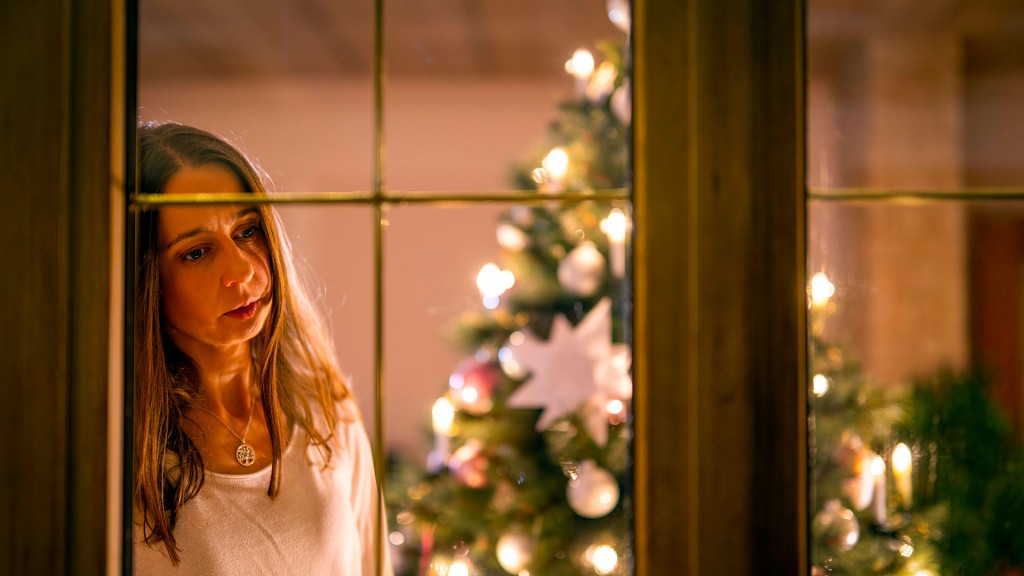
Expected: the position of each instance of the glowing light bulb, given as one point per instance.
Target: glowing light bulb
(877, 466)
(459, 567)
(556, 163)
(820, 385)
(822, 289)
(492, 283)
(615, 406)
(443, 414)
(581, 65)
(604, 558)
(902, 462)
(906, 550)
(901, 458)
(615, 225)
(396, 538)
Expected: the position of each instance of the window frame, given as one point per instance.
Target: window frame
(711, 79)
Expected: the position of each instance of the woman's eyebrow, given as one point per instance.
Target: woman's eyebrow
(201, 229)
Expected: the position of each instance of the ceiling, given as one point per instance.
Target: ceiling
(180, 38)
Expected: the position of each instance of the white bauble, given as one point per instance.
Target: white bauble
(514, 551)
(621, 103)
(618, 13)
(836, 526)
(510, 237)
(594, 492)
(582, 270)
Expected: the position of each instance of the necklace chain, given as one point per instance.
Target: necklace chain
(244, 453)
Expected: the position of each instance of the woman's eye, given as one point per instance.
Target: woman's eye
(249, 232)
(194, 255)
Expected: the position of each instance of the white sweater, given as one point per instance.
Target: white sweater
(322, 521)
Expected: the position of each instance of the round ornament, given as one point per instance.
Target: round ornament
(510, 237)
(472, 385)
(618, 13)
(514, 551)
(836, 526)
(621, 104)
(582, 269)
(594, 492)
(469, 465)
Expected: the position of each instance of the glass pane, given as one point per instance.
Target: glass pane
(333, 249)
(288, 81)
(507, 391)
(473, 87)
(917, 359)
(915, 94)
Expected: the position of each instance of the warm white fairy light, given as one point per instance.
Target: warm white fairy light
(820, 385)
(556, 163)
(603, 558)
(396, 538)
(615, 225)
(906, 550)
(902, 461)
(443, 415)
(492, 283)
(514, 552)
(615, 407)
(459, 567)
(822, 289)
(581, 65)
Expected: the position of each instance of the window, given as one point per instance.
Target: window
(914, 215)
(479, 145)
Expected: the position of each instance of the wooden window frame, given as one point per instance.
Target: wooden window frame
(719, 286)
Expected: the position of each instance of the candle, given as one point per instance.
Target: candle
(902, 462)
(556, 165)
(443, 415)
(615, 226)
(878, 469)
(581, 66)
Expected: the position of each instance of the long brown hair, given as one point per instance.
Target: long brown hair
(293, 354)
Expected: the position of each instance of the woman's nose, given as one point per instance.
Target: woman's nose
(238, 269)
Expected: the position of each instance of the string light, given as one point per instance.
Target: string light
(443, 415)
(603, 558)
(492, 283)
(556, 163)
(581, 65)
(820, 385)
(822, 289)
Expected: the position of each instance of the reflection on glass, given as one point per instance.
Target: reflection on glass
(916, 380)
(917, 351)
(526, 464)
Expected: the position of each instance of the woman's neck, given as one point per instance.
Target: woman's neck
(226, 379)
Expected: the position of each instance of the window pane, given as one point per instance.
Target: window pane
(915, 94)
(288, 81)
(916, 354)
(473, 87)
(507, 375)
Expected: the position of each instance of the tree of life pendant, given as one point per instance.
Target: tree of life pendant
(245, 455)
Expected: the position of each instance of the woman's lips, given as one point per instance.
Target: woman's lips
(244, 312)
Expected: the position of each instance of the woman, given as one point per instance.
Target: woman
(249, 453)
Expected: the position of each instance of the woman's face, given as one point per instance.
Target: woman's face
(215, 283)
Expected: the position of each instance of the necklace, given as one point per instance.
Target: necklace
(245, 455)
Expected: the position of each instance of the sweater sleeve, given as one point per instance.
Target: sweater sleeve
(367, 503)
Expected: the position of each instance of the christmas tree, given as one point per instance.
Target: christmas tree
(920, 479)
(529, 472)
